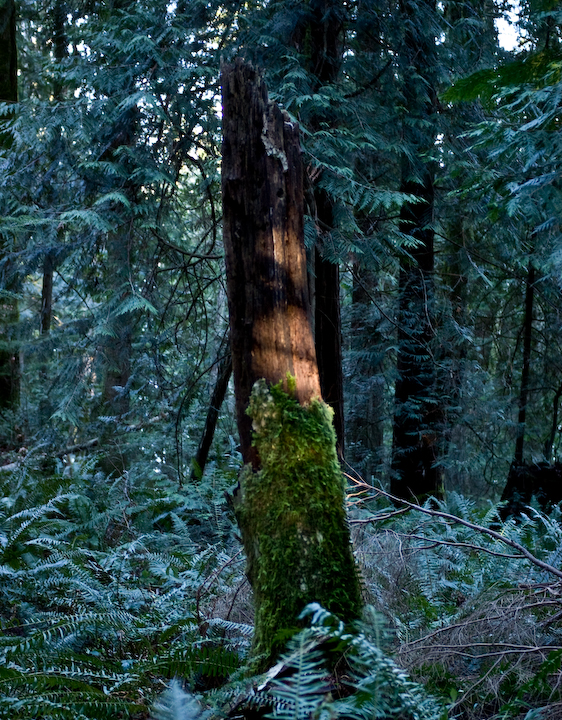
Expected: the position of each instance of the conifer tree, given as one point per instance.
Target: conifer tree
(417, 424)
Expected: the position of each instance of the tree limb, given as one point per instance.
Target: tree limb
(459, 521)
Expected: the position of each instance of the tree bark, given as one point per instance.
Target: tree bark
(116, 350)
(365, 414)
(263, 236)
(327, 333)
(116, 347)
(47, 295)
(549, 444)
(290, 503)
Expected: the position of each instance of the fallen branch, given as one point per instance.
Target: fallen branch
(466, 523)
(146, 423)
(71, 449)
(475, 621)
(434, 542)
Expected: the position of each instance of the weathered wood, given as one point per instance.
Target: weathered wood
(262, 179)
(290, 500)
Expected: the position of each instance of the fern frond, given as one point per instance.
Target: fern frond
(176, 704)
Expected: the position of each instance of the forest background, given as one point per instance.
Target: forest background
(432, 228)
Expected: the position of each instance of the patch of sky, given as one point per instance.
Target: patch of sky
(509, 34)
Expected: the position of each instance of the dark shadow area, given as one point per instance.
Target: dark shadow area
(542, 481)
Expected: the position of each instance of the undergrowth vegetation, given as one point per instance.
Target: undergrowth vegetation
(474, 603)
(126, 598)
(109, 589)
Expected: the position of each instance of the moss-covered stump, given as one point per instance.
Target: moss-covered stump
(292, 516)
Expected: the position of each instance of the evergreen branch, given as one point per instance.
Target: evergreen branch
(87, 445)
(373, 81)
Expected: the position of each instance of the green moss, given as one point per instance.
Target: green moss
(293, 518)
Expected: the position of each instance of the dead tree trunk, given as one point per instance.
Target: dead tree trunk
(224, 372)
(290, 504)
(263, 231)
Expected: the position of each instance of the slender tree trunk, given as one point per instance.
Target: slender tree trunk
(290, 503)
(549, 444)
(327, 325)
(9, 354)
(115, 354)
(47, 295)
(60, 42)
(417, 417)
(223, 377)
(116, 348)
(526, 369)
(365, 420)
(45, 407)
(453, 348)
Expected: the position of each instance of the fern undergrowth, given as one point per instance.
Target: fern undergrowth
(474, 620)
(126, 598)
(108, 592)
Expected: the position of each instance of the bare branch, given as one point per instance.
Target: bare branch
(466, 523)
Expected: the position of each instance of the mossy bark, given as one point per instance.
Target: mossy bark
(293, 519)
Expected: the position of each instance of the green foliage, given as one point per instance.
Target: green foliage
(376, 686)
(111, 587)
(537, 70)
(108, 589)
(175, 704)
(84, 178)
